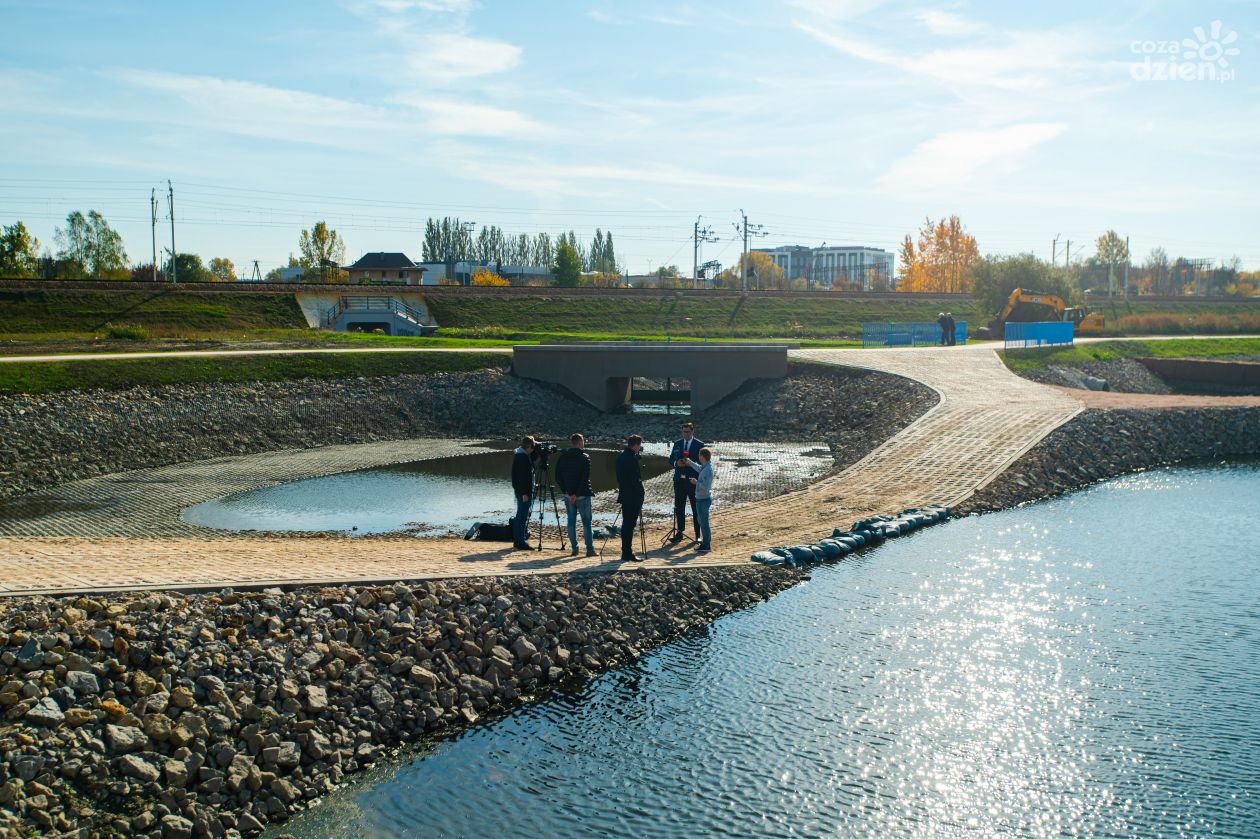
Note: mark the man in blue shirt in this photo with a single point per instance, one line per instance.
(685, 451)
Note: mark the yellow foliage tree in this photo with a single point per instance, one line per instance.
(942, 261)
(484, 276)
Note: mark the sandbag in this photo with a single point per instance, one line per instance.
(767, 558)
(802, 553)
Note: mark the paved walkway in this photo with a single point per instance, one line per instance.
(987, 417)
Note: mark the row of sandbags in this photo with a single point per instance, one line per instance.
(864, 533)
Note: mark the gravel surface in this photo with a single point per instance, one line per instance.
(168, 716)
(1124, 375)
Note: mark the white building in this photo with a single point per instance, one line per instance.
(820, 266)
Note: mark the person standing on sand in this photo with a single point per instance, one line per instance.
(703, 484)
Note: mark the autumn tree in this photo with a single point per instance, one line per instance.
(486, 277)
(1111, 250)
(758, 269)
(19, 252)
(91, 248)
(222, 270)
(567, 268)
(322, 252)
(943, 259)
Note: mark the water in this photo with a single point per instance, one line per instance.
(1086, 666)
(446, 493)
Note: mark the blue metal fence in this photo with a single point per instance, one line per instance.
(909, 334)
(1052, 334)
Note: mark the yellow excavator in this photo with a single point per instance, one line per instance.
(1025, 306)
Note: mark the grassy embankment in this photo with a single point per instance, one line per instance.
(118, 374)
(1022, 361)
(58, 320)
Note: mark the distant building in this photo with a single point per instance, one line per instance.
(291, 275)
(435, 272)
(386, 267)
(821, 265)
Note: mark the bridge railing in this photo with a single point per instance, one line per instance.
(371, 303)
(912, 334)
(1049, 334)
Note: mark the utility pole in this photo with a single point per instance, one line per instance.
(1127, 260)
(170, 202)
(1054, 249)
(257, 274)
(698, 236)
(153, 227)
(746, 230)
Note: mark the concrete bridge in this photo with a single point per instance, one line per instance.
(601, 374)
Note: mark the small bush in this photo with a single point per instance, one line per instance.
(127, 333)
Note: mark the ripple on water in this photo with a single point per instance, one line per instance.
(1086, 666)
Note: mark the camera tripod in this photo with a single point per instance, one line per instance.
(608, 534)
(543, 487)
(681, 534)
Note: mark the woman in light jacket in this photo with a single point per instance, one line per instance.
(703, 482)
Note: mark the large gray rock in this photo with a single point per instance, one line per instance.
(124, 738)
(134, 766)
(46, 712)
(83, 684)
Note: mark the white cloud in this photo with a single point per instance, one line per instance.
(836, 9)
(584, 179)
(449, 117)
(400, 6)
(258, 110)
(1023, 62)
(946, 23)
(450, 56)
(957, 158)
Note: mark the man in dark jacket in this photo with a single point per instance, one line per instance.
(682, 454)
(630, 494)
(951, 329)
(523, 489)
(943, 323)
(573, 476)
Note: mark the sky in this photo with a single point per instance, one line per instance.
(840, 121)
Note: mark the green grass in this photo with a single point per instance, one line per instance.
(1021, 361)
(165, 313)
(116, 374)
(677, 316)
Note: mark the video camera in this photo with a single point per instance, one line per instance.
(543, 450)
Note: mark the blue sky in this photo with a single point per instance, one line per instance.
(845, 121)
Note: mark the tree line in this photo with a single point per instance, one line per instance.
(943, 257)
(450, 239)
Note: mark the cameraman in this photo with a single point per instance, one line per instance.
(573, 476)
(629, 495)
(523, 489)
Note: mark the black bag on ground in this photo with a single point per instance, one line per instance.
(487, 532)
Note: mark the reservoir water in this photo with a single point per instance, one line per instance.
(1086, 666)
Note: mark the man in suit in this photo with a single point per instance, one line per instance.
(684, 452)
(630, 495)
(523, 490)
